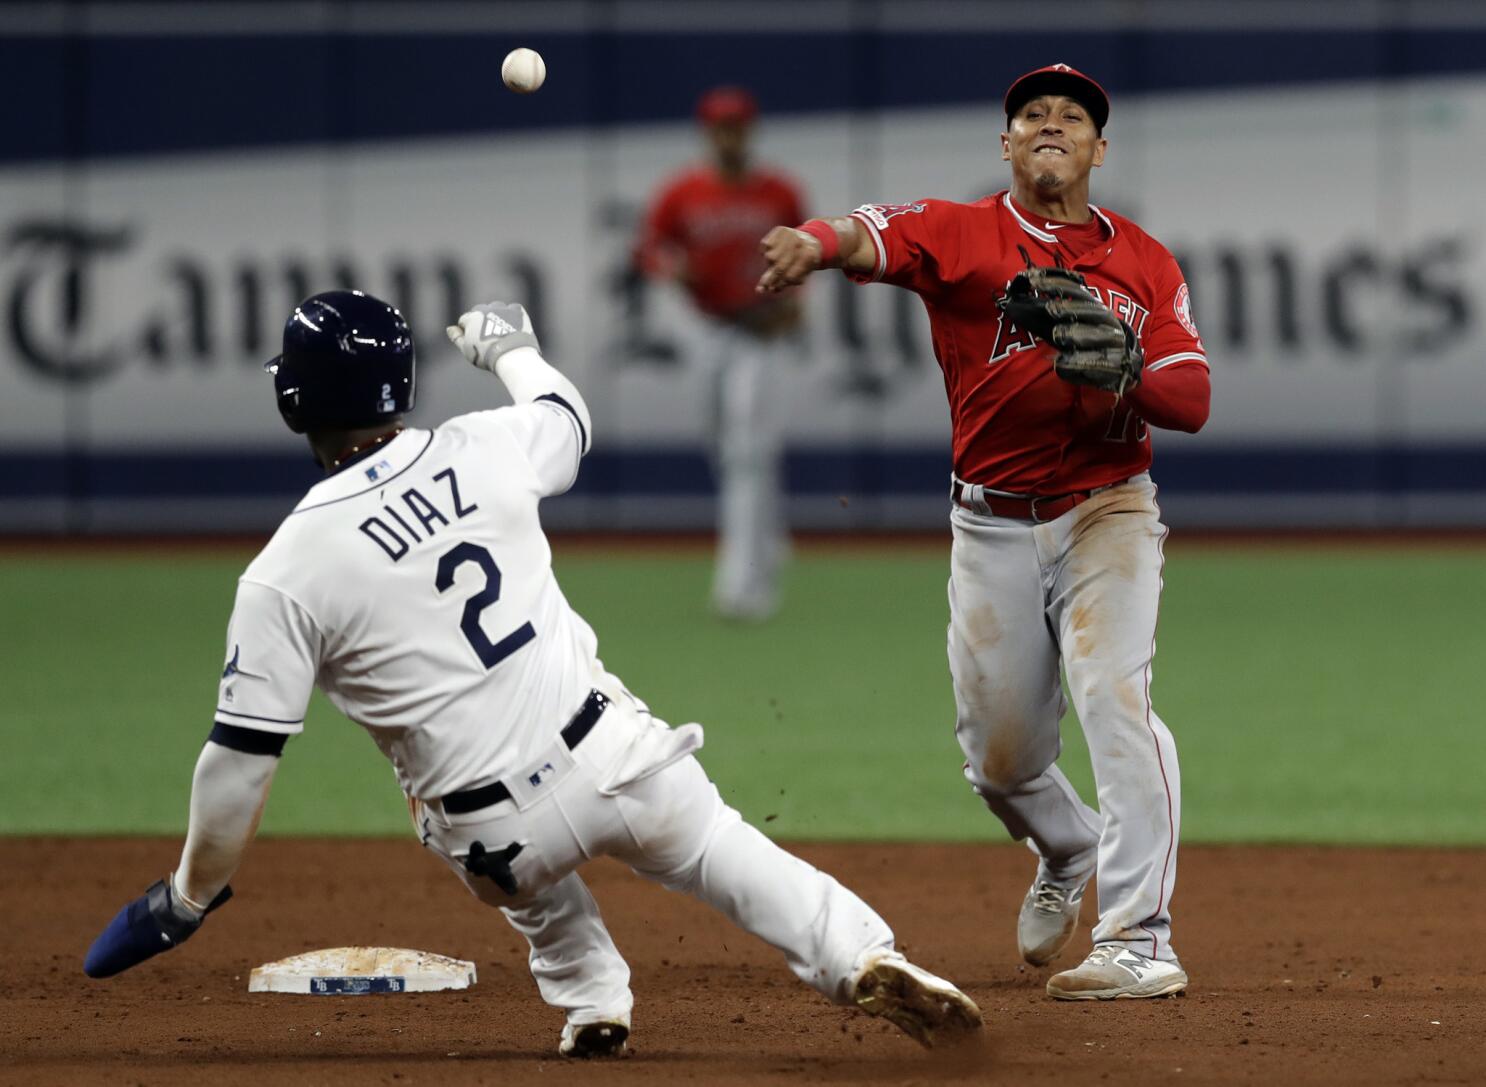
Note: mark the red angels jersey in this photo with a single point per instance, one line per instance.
(712, 227)
(1017, 426)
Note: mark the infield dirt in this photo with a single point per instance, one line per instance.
(1308, 966)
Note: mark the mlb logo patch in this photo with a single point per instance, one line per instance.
(379, 470)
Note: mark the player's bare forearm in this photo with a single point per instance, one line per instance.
(228, 794)
(792, 253)
(227, 797)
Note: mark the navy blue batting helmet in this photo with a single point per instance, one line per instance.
(347, 362)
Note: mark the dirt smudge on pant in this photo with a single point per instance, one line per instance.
(981, 628)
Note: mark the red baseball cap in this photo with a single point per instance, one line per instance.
(723, 104)
(1059, 79)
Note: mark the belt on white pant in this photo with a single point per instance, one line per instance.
(572, 735)
(1039, 508)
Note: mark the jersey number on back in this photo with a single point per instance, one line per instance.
(490, 653)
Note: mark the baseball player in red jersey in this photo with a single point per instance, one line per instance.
(1057, 537)
(702, 231)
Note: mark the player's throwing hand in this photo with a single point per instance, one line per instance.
(792, 255)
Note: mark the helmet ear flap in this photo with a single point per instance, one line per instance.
(286, 395)
(289, 410)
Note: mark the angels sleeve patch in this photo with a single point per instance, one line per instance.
(1182, 304)
(879, 214)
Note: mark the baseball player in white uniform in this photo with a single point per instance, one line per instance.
(414, 586)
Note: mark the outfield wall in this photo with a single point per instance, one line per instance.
(180, 175)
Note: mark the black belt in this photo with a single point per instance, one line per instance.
(572, 735)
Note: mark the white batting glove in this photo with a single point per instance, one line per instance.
(488, 331)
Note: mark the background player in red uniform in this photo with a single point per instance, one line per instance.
(702, 231)
(1057, 536)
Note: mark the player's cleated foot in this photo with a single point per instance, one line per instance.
(1112, 972)
(1048, 920)
(605, 1038)
(928, 1009)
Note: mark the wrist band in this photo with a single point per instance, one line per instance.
(825, 233)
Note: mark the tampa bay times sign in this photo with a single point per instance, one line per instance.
(208, 314)
(141, 297)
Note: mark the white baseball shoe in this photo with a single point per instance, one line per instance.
(1113, 972)
(605, 1038)
(1048, 920)
(928, 1009)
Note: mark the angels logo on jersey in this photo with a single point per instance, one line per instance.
(1010, 338)
(881, 213)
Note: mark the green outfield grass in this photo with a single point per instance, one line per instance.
(1317, 694)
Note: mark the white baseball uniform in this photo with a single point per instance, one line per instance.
(415, 587)
(748, 449)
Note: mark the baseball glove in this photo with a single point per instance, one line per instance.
(1095, 347)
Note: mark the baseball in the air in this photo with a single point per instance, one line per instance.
(523, 70)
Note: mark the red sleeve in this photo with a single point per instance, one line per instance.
(1170, 336)
(659, 249)
(908, 239)
(1174, 397)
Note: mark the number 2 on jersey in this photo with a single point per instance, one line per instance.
(490, 653)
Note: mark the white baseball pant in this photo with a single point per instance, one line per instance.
(1084, 590)
(752, 538)
(632, 790)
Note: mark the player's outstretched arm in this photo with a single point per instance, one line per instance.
(792, 253)
(228, 793)
(498, 337)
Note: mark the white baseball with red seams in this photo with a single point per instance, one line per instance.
(523, 71)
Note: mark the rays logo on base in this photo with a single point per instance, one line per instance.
(355, 986)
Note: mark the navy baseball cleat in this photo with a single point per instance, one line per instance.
(152, 923)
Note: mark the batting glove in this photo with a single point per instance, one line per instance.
(154, 922)
(487, 332)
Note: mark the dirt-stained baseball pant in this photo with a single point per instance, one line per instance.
(752, 539)
(1085, 589)
(671, 826)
